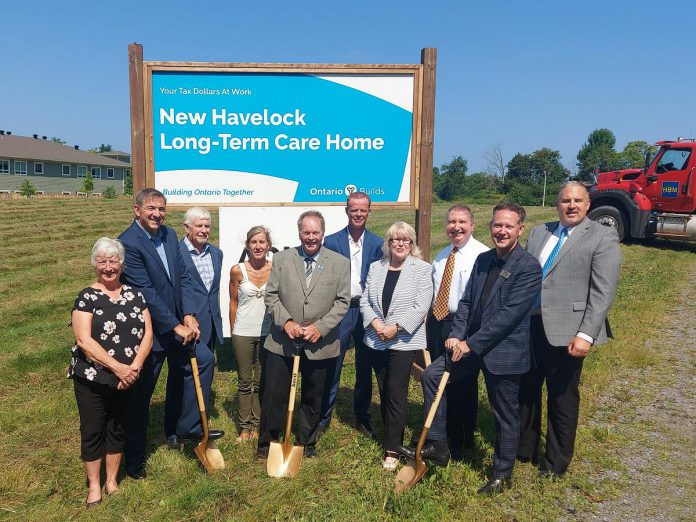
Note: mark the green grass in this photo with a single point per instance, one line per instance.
(44, 261)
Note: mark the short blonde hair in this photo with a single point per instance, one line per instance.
(107, 247)
(401, 228)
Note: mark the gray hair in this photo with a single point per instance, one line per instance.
(258, 229)
(147, 194)
(403, 229)
(195, 213)
(311, 213)
(107, 247)
(572, 183)
(461, 208)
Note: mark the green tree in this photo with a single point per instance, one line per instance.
(109, 192)
(633, 155)
(58, 140)
(128, 186)
(531, 168)
(27, 189)
(451, 179)
(598, 153)
(103, 148)
(88, 183)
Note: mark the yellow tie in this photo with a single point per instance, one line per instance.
(441, 308)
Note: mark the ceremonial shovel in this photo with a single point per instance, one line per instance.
(206, 451)
(284, 459)
(414, 470)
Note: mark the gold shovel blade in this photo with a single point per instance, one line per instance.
(407, 476)
(281, 465)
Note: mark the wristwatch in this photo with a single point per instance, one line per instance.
(399, 328)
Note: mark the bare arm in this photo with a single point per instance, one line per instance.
(235, 279)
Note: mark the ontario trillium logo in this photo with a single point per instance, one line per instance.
(350, 189)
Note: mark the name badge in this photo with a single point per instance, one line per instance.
(505, 274)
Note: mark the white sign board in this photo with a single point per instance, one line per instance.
(235, 222)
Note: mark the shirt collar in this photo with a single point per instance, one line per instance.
(305, 255)
(158, 235)
(192, 249)
(359, 242)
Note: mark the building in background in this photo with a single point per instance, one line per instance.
(54, 168)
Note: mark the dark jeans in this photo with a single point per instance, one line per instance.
(274, 406)
(103, 413)
(393, 369)
(561, 372)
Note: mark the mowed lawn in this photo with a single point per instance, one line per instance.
(44, 261)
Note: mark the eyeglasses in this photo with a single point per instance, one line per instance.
(400, 241)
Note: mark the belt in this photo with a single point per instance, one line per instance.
(448, 318)
(355, 302)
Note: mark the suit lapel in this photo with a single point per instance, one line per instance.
(146, 242)
(343, 243)
(510, 267)
(217, 267)
(384, 267)
(538, 246)
(300, 267)
(189, 263)
(322, 264)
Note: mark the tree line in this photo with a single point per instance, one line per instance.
(524, 177)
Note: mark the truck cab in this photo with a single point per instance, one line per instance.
(658, 200)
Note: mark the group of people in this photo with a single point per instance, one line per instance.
(494, 311)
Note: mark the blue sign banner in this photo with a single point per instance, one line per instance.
(670, 189)
(225, 138)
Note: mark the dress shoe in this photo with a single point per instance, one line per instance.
(310, 452)
(212, 435)
(495, 486)
(173, 442)
(437, 456)
(138, 475)
(261, 453)
(366, 430)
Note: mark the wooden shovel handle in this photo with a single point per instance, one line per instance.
(199, 396)
(291, 398)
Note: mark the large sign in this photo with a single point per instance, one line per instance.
(286, 135)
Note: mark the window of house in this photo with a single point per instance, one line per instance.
(110, 173)
(81, 171)
(20, 168)
(128, 172)
(38, 168)
(67, 171)
(96, 172)
(4, 166)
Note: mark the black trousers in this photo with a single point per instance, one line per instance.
(561, 372)
(277, 371)
(393, 370)
(103, 413)
(462, 396)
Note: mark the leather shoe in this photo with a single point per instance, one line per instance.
(212, 435)
(173, 442)
(261, 453)
(366, 430)
(138, 475)
(495, 486)
(429, 452)
(310, 452)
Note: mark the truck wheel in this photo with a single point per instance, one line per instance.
(611, 217)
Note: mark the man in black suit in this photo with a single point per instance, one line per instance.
(490, 332)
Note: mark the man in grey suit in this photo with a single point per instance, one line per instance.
(581, 260)
(307, 295)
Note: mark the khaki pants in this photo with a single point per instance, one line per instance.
(246, 351)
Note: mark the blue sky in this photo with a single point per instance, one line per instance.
(522, 75)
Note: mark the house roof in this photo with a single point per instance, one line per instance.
(26, 148)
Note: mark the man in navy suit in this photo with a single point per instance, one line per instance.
(362, 248)
(154, 266)
(490, 332)
(204, 262)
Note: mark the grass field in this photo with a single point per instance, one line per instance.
(44, 262)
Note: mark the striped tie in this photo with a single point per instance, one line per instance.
(441, 307)
(550, 260)
(308, 271)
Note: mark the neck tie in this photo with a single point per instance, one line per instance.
(554, 252)
(308, 270)
(441, 307)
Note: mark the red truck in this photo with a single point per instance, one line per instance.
(658, 200)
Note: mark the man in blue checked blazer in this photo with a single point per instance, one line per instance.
(204, 262)
(154, 266)
(490, 332)
(362, 248)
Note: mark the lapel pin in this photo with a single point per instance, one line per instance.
(505, 274)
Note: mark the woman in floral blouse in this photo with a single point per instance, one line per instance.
(113, 334)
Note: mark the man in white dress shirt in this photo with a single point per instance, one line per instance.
(449, 285)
